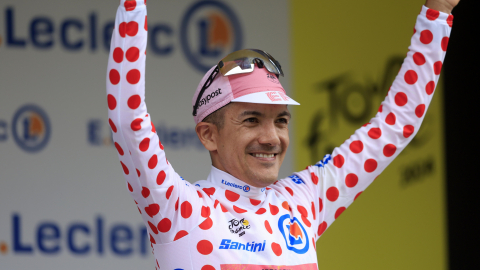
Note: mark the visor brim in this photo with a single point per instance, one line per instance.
(267, 97)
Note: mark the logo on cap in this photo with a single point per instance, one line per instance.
(272, 78)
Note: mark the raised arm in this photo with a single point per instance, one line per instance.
(168, 204)
(337, 180)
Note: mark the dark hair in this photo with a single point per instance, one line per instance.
(217, 117)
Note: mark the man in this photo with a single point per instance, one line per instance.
(242, 217)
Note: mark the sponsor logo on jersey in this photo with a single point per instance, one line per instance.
(245, 188)
(294, 234)
(238, 226)
(296, 179)
(249, 246)
(324, 162)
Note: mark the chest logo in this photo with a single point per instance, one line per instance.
(294, 234)
(238, 226)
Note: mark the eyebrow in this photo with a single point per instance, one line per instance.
(259, 114)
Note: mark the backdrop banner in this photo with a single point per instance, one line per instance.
(64, 203)
(345, 57)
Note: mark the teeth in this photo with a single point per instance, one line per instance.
(264, 155)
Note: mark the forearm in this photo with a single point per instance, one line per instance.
(445, 6)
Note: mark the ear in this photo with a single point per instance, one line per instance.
(208, 134)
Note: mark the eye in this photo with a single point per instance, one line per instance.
(282, 120)
(251, 120)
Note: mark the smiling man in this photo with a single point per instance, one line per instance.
(241, 216)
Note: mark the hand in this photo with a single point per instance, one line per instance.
(445, 6)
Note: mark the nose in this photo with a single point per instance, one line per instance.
(269, 135)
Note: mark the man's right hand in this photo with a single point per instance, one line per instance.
(445, 6)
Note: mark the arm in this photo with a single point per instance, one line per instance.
(167, 204)
(334, 183)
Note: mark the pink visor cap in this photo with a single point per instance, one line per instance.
(259, 86)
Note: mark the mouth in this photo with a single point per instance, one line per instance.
(264, 156)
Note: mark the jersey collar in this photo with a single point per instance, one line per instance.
(227, 181)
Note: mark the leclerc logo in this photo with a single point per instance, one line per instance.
(295, 235)
(209, 30)
(246, 188)
(31, 128)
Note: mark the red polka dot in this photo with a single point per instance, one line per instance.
(209, 191)
(112, 102)
(314, 178)
(207, 224)
(338, 161)
(152, 240)
(132, 54)
(285, 206)
(223, 208)
(375, 133)
(152, 163)
(122, 28)
(411, 77)
(204, 247)
(437, 67)
(136, 124)
(445, 43)
(380, 109)
(145, 192)
(320, 205)
(419, 58)
(179, 235)
(289, 190)
(255, 202)
(408, 130)
(332, 194)
(432, 14)
(133, 102)
(351, 180)
(138, 172)
(133, 76)
(132, 29)
(144, 144)
(358, 194)
(130, 187)
(370, 165)
(313, 242)
(152, 209)
(119, 149)
(313, 211)
(430, 87)
(450, 20)
(112, 125)
(169, 192)
(267, 226)
(208, 267)
(401, 99)
(426, 37)
(186, 209)
(277, 249)
(261, 211)
(153, 130)
(389, 150)
(160, 144)
(239, 210)
(153, 228)
(205, 211)
(321, 228)
(145, 26)
(125, 169)
(420, 110)
(199, 194)
(356, 147)
(306, 221)
(130, 5)
(231, 196)
(390, 119)
(339, 212)
(118, 55)
(273, 209)
(161, 177)
(302, 210)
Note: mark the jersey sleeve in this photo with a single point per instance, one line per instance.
(327, 188)
(170, 207)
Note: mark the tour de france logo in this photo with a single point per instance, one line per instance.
(31, 128)
(294, 234)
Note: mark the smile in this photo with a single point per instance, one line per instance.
(260, 155)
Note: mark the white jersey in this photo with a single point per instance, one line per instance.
(223, 223)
